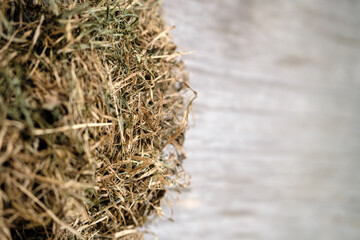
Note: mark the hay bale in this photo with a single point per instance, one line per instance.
(92, 115)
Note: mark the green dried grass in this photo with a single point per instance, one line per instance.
(92, 116)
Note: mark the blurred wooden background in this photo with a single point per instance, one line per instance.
(274, 152)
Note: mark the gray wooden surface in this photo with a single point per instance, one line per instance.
(274, 152)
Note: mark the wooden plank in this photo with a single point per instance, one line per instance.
(274, 152)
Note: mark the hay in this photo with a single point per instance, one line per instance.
(92, 116)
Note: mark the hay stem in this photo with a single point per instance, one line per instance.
(38, 132)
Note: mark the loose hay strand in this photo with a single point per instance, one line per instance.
(92, 118)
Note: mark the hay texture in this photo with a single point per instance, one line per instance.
(92, 116)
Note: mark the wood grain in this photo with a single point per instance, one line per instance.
(274, 150)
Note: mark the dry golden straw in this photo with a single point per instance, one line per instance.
(92, 117)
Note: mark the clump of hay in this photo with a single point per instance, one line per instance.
(92, 116)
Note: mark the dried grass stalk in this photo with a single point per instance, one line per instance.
(92, 116)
